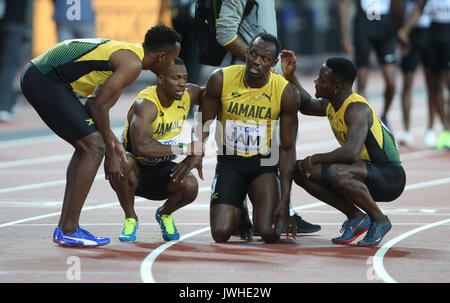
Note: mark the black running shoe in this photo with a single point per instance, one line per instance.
(303, 227)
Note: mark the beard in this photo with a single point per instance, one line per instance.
(254, 77)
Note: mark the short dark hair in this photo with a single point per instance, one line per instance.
(160, 37)
(343, 69)
(178, 61)
(269, 38)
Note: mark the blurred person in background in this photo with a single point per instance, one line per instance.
(183, 12)
(13, 36)
(374, 27)
(414, 52)
(183, 22)
(439, 47)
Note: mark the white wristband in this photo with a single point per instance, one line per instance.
(183, 147)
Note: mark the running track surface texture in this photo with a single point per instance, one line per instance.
(33, 162)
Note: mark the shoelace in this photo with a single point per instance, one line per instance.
(344, 225)
(83, 231)
(168, 223)
(129, 225)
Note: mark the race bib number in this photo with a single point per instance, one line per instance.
(245, 138)
(439, 10)
(376, 7)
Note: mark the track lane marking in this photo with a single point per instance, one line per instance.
(208, 161)
(146, 266)
(378, 258)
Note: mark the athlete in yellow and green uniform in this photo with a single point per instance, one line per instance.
(248, 101)
(98, 69)
(152, 139)
(365, 169)
(83, 63)
(379, 146)
(168, 122)
(248, 115)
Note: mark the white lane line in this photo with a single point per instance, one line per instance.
(45, 184)
(40, 185)
(428, 183)
(381, 252)
(418, 112)
(50, 138)
(33, 186)
(301, 147)
(206, 189)
(106, 205)
(42, 160)
(206, 161)
(210, 159)
(29, 141)
(422, 154)
(198, 224)
(305, 146)
(56, 214)
(146, 266)
(140, 224)
(42, 272)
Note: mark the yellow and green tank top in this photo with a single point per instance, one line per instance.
(248, 116)
(82, 63)
(379, 147)
(166, 127)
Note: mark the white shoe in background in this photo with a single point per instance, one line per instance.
(5, 116)
(406, 139)
(430, 138)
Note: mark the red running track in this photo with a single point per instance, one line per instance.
(32, 173)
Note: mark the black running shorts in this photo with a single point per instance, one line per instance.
(153, 180)
(379, 35)
(418, 50)
(439, 47)
(56, 104)
(233, 177)
(385, 182)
